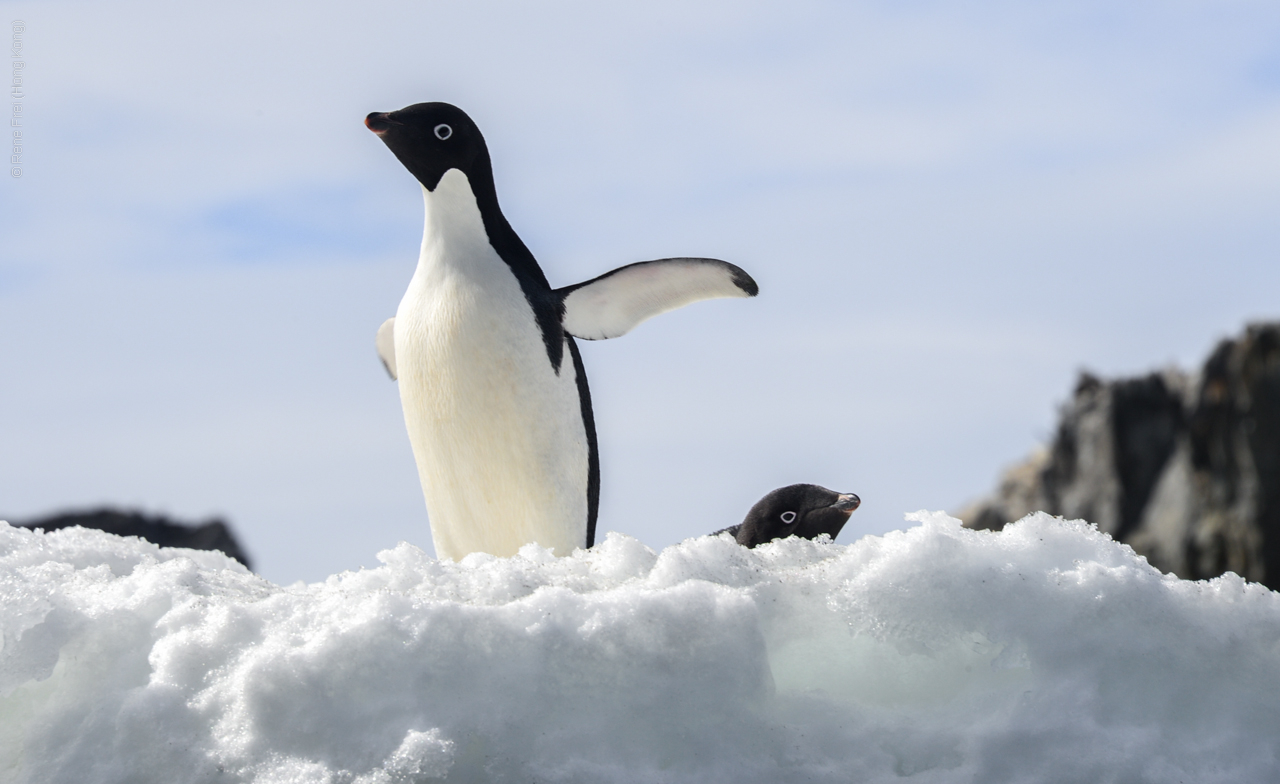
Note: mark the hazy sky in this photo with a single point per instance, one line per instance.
(950, 207)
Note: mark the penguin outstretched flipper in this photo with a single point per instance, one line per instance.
(386, 343)
(616, 302)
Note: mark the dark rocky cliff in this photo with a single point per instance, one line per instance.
(1184, 468)
(210, 535)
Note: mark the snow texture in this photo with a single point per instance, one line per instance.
(1043, 653)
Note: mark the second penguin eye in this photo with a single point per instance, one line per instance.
(788, 517)
(443, 131)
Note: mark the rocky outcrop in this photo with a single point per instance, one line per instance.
(1184, 468)
(211, 535)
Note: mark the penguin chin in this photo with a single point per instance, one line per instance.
(426, 171)
(835, 530)
(431, 180)
(829, 521)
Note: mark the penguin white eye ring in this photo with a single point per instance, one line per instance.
(443, 131)
(788, 517)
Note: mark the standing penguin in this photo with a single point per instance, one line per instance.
(494, 393)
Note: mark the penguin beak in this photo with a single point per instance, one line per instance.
(847, 502)
(379, 122)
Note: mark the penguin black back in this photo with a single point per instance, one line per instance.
(795, 510)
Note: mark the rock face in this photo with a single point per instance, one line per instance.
(211, 535)
(1184, 468)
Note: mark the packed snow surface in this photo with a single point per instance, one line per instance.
(1043, 653)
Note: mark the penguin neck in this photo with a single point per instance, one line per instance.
(461, 220)
(458, 208)
(453, 228)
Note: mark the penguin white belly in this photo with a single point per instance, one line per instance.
(497, 434)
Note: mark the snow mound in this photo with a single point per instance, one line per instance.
(1043, 653)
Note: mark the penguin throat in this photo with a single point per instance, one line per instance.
(458, 224)
(453, 221)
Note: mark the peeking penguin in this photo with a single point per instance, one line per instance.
(794, 510)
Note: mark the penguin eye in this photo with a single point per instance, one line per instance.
(788, 517)
(443, 131)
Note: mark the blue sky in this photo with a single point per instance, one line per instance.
(951, 208)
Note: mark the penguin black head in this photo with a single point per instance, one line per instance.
(432, 138)
(796, 510)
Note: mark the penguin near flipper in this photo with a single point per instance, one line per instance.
(807, 511)
(494, 393)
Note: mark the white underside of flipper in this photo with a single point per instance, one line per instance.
(498, 436)
(618, 301)
(386, 344)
